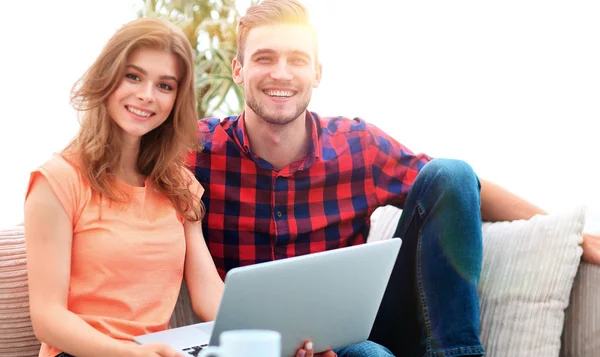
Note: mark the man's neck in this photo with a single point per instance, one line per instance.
(280, 145)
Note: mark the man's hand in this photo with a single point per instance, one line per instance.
(591, 248)
(307, 351)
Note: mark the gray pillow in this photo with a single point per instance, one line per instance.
(526, 280)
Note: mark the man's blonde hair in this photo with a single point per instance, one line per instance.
(269, 12)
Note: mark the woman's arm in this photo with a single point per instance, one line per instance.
(203, 281)
(49, 235)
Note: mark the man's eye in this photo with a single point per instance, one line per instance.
(299, 61)
(132, 76)
(263, 59)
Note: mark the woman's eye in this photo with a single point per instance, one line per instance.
(132, 76)
(165, 86)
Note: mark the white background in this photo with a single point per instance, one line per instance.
(512, 87)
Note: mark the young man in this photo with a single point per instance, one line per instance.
(281, 181)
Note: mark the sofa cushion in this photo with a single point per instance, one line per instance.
(527, 275)
(16, 334)
(581, 336)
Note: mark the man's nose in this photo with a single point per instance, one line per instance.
(281, 71)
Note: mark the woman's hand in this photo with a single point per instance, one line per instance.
(154, 350)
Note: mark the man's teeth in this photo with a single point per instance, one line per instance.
(139, 112)
(279, 93)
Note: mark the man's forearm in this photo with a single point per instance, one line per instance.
(499, 204)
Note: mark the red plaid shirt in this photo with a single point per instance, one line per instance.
(257, 214)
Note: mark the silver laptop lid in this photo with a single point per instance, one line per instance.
(330, 297)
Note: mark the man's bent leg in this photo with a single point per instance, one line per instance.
(364, 349)
(430, 307)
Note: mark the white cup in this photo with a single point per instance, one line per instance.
(245, 343)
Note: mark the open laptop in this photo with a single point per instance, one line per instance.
(331, 298)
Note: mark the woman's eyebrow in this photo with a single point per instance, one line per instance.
(143, 71)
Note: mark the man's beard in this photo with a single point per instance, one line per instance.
(276, 120)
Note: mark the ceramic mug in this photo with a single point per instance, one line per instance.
(245, 343)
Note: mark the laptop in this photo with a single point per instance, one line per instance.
(330, 297)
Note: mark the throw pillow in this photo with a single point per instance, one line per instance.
(526, 280)
(16, 334)
(527, 276)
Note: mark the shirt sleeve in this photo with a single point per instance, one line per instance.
(66, 183)
(394, 168)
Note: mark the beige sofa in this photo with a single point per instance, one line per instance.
(536, 297)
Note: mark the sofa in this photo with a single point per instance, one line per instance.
(537, 297)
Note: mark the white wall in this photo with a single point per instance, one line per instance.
(512, 87)
(46, 47)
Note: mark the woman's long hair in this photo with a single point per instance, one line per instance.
(98, 144)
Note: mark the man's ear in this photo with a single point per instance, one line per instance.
(237, 71)
(318, 74)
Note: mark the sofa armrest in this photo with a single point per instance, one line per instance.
(582, 320)
(16, 333)
(184, 313)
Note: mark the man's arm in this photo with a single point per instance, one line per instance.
(499, 204)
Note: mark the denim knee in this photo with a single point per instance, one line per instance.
(449, 174)
(449, 169)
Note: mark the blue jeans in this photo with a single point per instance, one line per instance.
(364, 349)
(431, 307)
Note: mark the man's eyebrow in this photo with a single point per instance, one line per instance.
(143, 71)
(266, 51)
(300, 54)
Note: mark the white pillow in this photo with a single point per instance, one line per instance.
(527, 275)
(526, 280)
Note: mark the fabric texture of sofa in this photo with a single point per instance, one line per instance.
(537, 298)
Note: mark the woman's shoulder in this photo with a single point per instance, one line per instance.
(64, 168)
(66, 164)
(63, 175)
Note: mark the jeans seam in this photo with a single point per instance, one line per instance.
(402, 234)
(458, 351)
(422, 298)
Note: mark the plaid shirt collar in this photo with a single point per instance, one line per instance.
(239, 128)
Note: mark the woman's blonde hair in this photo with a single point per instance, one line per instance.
(97, 146)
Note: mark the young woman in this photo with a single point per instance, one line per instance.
(113, 221)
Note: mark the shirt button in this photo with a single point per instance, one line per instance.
(279, 214)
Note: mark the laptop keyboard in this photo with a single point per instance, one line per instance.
(194, 350)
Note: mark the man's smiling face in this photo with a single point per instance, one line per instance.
(279, 72)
